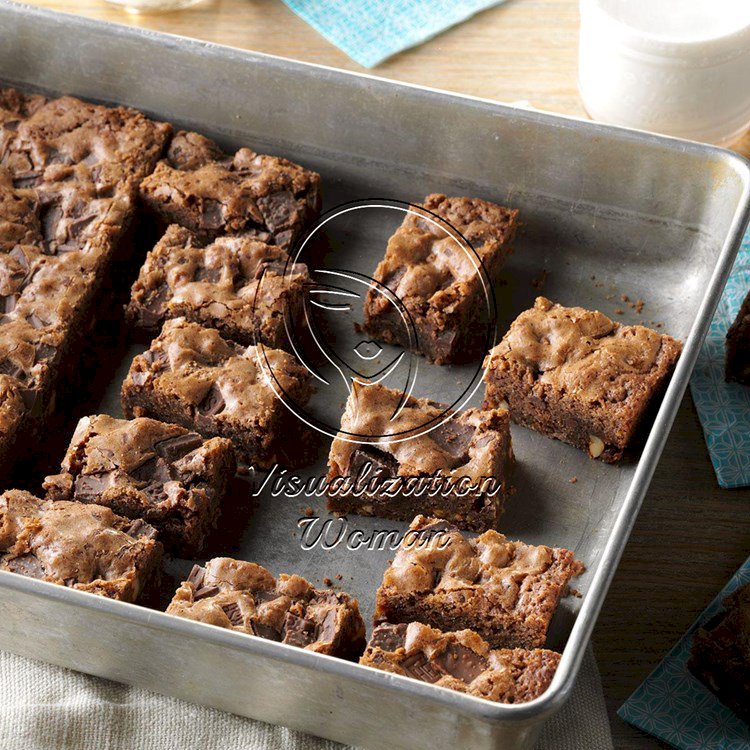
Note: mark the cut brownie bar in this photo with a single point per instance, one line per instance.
(577, 376)
(69, 172)
(469, 457)
(738, 346)
(720, 657)
(212, 193)
(245, 597)
(438, 281)
(162, 473)
(219, 285)
(86, 547)
(192, 376)
(461, 661)
(505, 591)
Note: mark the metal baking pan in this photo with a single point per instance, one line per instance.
(606, 212)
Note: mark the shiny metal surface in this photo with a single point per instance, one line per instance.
(606, 212)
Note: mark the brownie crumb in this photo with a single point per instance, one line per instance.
(308, 511)
(327, 581)
(619, 311)
(573, 480)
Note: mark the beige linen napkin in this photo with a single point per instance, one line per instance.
(43, 707)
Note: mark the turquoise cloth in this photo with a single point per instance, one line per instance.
(724, 408)
(369, 31)
(675, 707)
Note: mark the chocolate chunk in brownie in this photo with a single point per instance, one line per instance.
(462, 661)
(192, 376)
(469, 456)
(577, 376)
(248, 290)
(245, 597)
(86, 547)
(439, 280)
(720, 656)
(738, 346)
(172, 478)
(505, 591)
(211, 193)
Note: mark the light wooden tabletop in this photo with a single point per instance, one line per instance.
(690, 535)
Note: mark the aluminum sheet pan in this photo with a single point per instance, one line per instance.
(606, 212)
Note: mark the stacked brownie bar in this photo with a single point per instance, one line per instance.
(468, 457)
(245, 597)
(161, 473)
(69, 173)
(441, 265)
(505, 591)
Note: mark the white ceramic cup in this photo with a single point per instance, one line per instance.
(678, 67)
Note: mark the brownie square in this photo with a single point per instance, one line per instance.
(248, 290)
(163, 473)
(211, 193)
(246, 598)
(577, 376)
(437, 280)
(738, 346)
(461, 661)
(505, 591)
(469, 455)
(720, 655)
(192, 376)
(85, 547)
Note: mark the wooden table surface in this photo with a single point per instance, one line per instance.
(690, 535)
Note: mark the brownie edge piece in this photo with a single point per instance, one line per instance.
(720, 656)
(85, 547)
(576, 375)
(461, 661)
(505, 591)
(245, 597)
(191, 376)
(162, 473)
(463, 464)
(738, 346)
(436, 280)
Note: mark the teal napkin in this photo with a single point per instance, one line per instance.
(369, 31)
(676, 707)
(724, 408)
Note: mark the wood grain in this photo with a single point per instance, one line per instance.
(690, 536)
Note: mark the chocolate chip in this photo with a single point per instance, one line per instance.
(196, 576)
(262, 597)
(278, 209)
(8, 303)
(298, 631)
(210, 275)
(232, 611)
(49, 218)
(76, 228)
(26, 565)
(154, 471)
(139, 529)
(213, 402)
(88, 487)
(35, 321)
(417, 666)
(158, 360)
(280, 267)
(264, 631)
(389, 637)
(212, 215)
(174, 448)
(392, 281)
(381, 464)
(27, 180)
(205, 591)
(8, 367)
(461, 662)
(326, 630)
(453, 437)
(44, 351)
